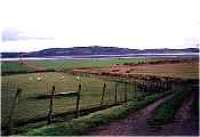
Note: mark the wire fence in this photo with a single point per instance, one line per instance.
(55, 104)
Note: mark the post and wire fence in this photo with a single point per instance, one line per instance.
(78, 101)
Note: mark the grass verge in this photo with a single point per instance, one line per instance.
(166, 111)
(80, 125)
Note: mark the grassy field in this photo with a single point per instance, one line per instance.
(36, 84)
(14, 66)
(184, 70)
(70, 64)
(29, 107)
(66, 64)
(179, 70)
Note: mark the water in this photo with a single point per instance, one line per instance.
(145, 55)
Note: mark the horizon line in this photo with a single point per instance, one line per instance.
(98, 46)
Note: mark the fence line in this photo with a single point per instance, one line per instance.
(120, 93)
(12, 110)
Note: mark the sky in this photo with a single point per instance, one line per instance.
(31, 25)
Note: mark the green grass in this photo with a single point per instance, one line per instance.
(70, 64)
(29, 108)
(80, 125)
(181, 70)
(14, 67)
(65, 64)
(165, 113)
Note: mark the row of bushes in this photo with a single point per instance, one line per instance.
(80, 125)
(156, 62)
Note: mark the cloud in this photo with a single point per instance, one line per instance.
(10, 34)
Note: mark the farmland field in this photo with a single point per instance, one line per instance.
(58, 73)
(29, 107)
(13, 66)
(176, 70)
(67, 64)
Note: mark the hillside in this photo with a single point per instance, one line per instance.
(93, 50)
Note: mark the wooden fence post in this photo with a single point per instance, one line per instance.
(78, 101)
(143, 85)
(12, 111)
(103, 93)
(116, 92)
(167, 82)
(160, 85)
(156, 87)
(125, 93)
(51, 105)
(135, 86)
(135, 89)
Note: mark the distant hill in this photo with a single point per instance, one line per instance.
(93, 50)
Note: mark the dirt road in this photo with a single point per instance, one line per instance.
(184, 124)
(136, 123)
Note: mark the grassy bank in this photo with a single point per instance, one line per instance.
(165, 113)
(80, 125)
